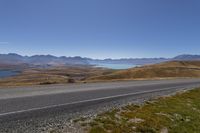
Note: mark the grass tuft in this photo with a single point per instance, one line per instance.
(179, 113)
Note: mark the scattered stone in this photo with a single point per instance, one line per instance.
(136, 120)
(164, 130)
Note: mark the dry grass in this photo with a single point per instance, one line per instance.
(176, 114)
(163, 70)
(62, 75)
(58, 75)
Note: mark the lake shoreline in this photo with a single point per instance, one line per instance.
(5, 73)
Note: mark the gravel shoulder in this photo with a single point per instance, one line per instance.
(64, 122)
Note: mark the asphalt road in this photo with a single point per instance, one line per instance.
(18, 103)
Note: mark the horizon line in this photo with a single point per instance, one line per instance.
(25, 55)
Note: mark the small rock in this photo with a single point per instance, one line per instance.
(164, 130)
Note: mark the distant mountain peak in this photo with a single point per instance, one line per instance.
(13, 58)
(187, 57)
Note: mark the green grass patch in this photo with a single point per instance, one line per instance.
(175, 114)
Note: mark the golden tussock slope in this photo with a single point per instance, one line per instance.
(169, 69)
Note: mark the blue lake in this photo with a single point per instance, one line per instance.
(8, 73)
(116, 66)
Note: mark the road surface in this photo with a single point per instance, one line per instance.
(18, 103)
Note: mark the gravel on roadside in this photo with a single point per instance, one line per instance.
(64, 122)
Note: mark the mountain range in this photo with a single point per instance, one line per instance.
(51, 60)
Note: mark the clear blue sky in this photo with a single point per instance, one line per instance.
(100, 28)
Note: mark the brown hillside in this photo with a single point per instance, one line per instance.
(163, 70)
